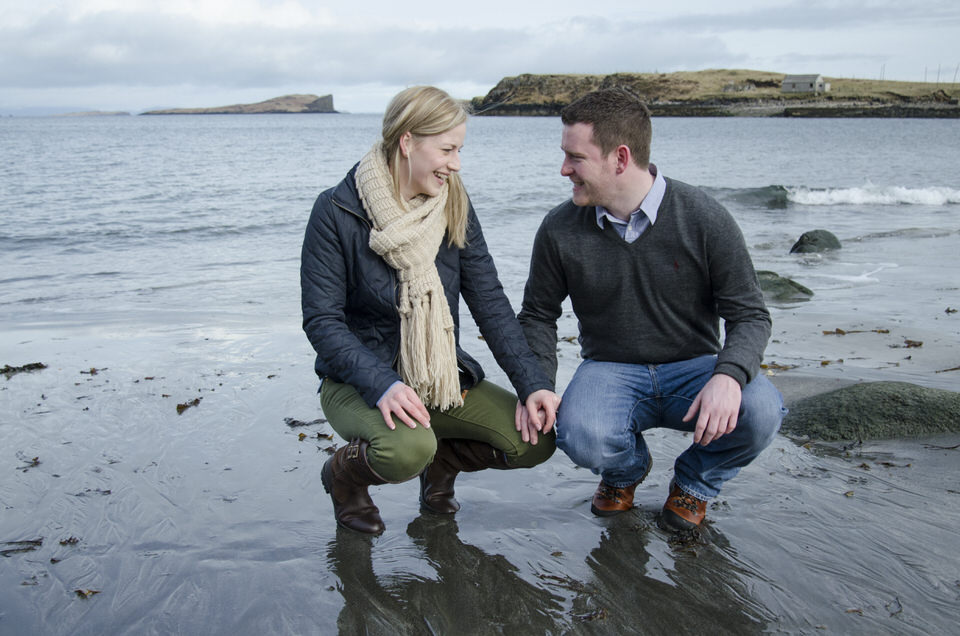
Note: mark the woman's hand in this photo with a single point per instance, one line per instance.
(404, 403)
(538, 415)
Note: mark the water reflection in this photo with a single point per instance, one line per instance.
(468, 591)
(643, 585)
(636, 580)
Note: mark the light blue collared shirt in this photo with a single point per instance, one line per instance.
(641, 218)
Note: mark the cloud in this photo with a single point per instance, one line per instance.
(117, 47)
(817, 15)
(221, 50)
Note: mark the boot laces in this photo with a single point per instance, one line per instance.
(683, 500)
(611, 493)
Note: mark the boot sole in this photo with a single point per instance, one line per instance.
(427, 509)
(672, 522)
(608, 513)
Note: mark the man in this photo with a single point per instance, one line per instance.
(650, 265)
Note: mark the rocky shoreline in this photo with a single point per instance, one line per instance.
(759, 108)
(722, 94)
(763, 108)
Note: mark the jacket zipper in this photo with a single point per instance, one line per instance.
(393, 277)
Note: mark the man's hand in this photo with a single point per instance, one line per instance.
(539, 414)
(719, 405)
(403, 402)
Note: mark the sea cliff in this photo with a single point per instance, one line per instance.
(714, 93)
(284, 104)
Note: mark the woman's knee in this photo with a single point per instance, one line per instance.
(400, 455)
(530, 455)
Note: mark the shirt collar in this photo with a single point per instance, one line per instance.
(650, 204)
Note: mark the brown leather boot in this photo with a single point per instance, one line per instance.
(609, 500)
(346, 476)
(683, 511)
(453, 457)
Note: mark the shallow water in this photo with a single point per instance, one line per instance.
(214, 521)
(153, 261)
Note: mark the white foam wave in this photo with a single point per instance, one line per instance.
(869, 276)
(870, 194)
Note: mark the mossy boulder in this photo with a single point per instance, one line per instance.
(815, 241)
(779, 288)
(875, 410)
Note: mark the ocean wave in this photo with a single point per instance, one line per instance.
(907, 232)
(870, 194)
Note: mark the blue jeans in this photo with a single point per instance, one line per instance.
(608, 405)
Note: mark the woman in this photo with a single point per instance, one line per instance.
(387, 254)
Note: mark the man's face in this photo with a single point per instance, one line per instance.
(584, 164)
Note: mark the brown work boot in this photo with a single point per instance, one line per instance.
(609, 500)
(683, 511)
(346, 476)
(453, 457)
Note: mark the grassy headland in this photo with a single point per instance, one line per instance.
(725, 92)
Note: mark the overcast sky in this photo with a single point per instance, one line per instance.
(136, 55)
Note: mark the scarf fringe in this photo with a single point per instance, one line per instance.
(437, 385)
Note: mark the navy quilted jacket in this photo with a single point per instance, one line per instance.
(349, 297)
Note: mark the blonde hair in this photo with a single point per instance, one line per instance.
(424, 111)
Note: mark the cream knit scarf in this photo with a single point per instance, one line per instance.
(408, 236)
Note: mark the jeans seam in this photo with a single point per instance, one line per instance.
(632, 418)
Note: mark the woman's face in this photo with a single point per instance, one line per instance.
(427, 162)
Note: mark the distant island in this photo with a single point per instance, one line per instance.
(714, 93)
(284, 104)
(96, 113)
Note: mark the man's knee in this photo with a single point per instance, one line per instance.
(582, 442)
(762, 411)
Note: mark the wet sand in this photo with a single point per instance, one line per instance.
(122, 516)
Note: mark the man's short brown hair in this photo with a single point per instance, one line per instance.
(618, 116)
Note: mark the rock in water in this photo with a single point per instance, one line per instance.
(815, 241)
(875, 410)
(777, 287)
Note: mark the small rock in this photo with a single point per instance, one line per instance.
(777, 287)
(815, 241)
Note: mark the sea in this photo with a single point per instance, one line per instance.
(135, 221)
(161, 474)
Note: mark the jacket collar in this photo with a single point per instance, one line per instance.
(345, 194)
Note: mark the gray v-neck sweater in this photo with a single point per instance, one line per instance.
(656, 300)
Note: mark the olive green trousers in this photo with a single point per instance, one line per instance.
(487, 415)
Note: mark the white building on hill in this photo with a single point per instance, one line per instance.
(804, 84)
